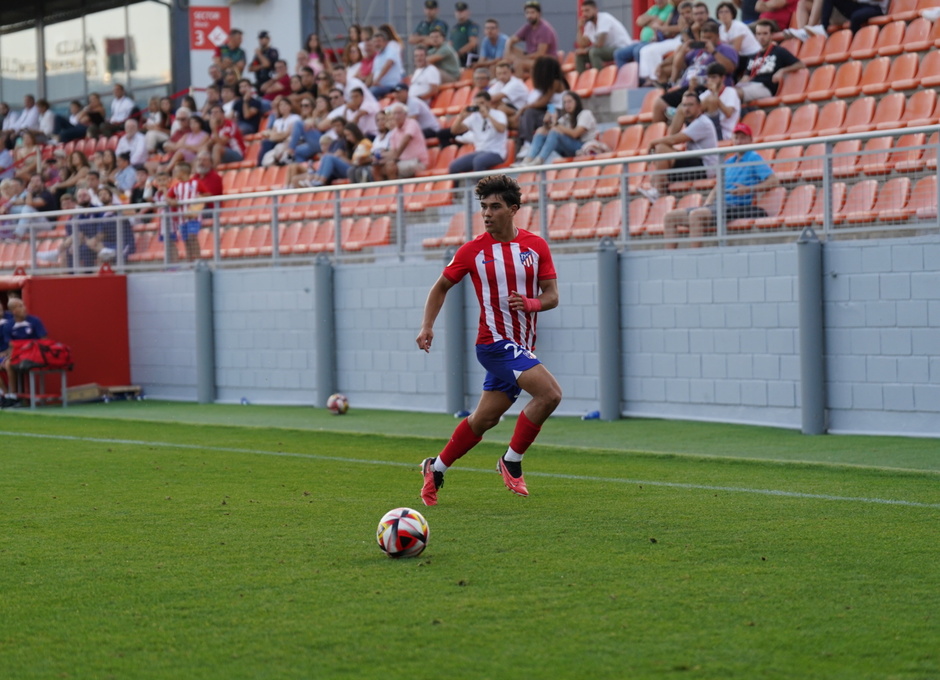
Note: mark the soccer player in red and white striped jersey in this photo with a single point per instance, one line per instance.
(514, 279)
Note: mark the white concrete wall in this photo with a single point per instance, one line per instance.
(708, 335)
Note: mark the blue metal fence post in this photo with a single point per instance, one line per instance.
(812, 341)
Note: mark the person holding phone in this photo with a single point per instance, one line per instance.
(489, 128)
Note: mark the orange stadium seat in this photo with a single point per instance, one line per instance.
(559, 228)
(260, 238)
(298, 242)
(794, 82)
(354, 231)
(847, 76)
(859, 114)
(888, 113)
(889, 36)
(862, 46)
(906, 147)
(775, 127)
(915, 32)
(645, 113)
(859, 200)
(820, 81)
(837, 45)
(874, 72)
(584, 85)
(803, 123)
(609, 224)
(930, 41)
(626, 78)
(921, 109)
(787, 162)
(460, 100)
(755, 119)
(610, 138)
(586, 185)
(608, 181)
(898, 11)
(874, 158)
(791, 45)
(630, 140)
(560, 189)
(921, 205)
(324, 237)
(927, 75)
(772, 203)
(815, 214)
(892, 196)
(442, 101)
(832, 114)
(926, 161)
(288, 237)
(805, 214)
(456, 229)
(846, 160)
(797, 205)
(903, 69)
(653, 224)
(652, 131)
(811, 51)
(586, 220)
(234, 241)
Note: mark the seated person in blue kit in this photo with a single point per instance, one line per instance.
(745, 175)
(20, 326)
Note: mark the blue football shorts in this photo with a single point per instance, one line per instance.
(504, 362)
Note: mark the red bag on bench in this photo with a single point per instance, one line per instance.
(45, 353)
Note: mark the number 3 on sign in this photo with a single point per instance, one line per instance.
(199, 38)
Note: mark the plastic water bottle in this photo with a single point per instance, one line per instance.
(244, 401)
(591, 415)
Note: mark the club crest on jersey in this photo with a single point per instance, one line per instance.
(526, 258)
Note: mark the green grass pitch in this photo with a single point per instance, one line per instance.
(149, 540)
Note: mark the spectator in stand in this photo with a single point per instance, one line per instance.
(106, 165)
(133, 142)
(353, 37)
(745, 176)
(548, 83)
(40, 200)
(564, 134)
(195, 140)
(76, 170)
(537, 38)
(352, 58)
(27, 156)
(226, 144)
(359, 111)
(720, 102)
(275, 140)
(365, 65)
(778, 11)
(508, 92)
(4, 115)
(46, 127)
(489, 129)
(279, 83)
(426, 79)
(345, 83)
(213, 97)
(305, 139)
(689, 21)
(696, 60)
(216, 77)
(157, 123)
(465, 36)
(387, 68)
(22, 326)
(126, 176)
(749, 13)
(443, 56)
(316, 57)
(308, 82)
(27, 119)
(106, 240)
(493, 45)
(230, 53)
(699, 134)
(186, 219)
(65, 123)
(429, 23)
(262, 63)
(764, 72)
(655, 24)
(7, 161)
(419, 110)
(229, 100)
(247, 109)
(481, 81)
(816, 15)
(190, 103)
(600, 35)
(736, 33)
(407, 154)
(354, 152)
(122, 108)
(380, 146)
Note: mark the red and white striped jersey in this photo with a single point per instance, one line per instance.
(496, 269)
(182, 191)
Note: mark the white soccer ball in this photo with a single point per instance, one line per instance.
(337, 404)
(402, 532)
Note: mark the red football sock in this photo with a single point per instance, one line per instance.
(525, 433)
(460, 442)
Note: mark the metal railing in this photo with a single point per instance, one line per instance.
(418, 218)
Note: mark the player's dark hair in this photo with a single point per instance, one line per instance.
(730, 7)
(546, 71)
(769, 23)
(503, 186)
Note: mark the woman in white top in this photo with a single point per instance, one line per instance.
(274, 146)
(574, 127)
(736, 33)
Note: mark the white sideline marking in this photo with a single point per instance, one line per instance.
(548, 475)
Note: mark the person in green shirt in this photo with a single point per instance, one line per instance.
(443, 55)
(422, 33)
(465, 35)
(654, 25)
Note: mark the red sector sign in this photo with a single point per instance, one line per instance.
(208, 27)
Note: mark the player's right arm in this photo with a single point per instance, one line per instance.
(432, 307)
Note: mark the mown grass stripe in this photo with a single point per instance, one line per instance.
(547, 475)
